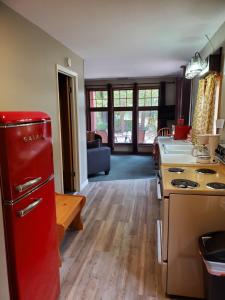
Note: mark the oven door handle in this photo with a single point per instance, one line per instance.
(26, 185)
(158, 187)
(23, 212)
(159, 240)
(159, 175)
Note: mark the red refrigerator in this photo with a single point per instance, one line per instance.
(27, 185)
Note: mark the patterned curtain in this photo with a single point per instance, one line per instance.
(197, 116)
(206, 103)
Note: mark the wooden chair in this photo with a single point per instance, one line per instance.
(165, 131)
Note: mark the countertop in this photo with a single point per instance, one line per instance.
(191, 174)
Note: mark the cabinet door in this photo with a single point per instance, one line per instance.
(190, 216)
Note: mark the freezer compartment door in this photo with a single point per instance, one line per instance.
(26, 158)
(32, 247)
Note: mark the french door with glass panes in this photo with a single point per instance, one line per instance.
(148, 101)
(123, 116)
(126, 119)
(98, 113)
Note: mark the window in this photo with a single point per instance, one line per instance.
(123, 126)
(148, 97)
(148, 101)
(123, 115)
(98, 105)
(99, 124)
(147, 126)
(123, 98)
(98, 99)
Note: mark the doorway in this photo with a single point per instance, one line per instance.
(66, 124)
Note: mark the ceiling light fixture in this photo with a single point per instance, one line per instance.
(195, 66)
(188, 74)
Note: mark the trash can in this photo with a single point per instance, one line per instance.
(212, 250)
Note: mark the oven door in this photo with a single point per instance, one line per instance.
(162, 236)
(162, 231)
(163, 264)
(162, 223)
(159, 222)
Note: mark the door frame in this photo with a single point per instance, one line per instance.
(75, 125)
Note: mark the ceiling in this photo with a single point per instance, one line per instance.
(127, 38)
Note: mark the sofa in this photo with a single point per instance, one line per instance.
(98, 156)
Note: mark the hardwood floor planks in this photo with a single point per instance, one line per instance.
(114, 257)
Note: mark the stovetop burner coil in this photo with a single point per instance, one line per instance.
(184, 183)
(206, 171)
(176, 170)
(216, 185)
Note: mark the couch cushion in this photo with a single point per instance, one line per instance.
(98, 160)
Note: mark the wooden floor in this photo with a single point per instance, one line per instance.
(115, 256)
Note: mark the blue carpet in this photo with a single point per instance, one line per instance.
(127, 167)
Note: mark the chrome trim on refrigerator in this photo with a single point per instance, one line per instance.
(2, 125)
(23, 212)
(26, 185)
(14, 201)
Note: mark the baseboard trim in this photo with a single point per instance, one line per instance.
(83, 184)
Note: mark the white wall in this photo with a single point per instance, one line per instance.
(28, 77)
(28, 82)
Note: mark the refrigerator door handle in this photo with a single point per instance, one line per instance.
(23, 212)
(26, 185)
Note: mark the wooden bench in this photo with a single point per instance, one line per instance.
(68, 213)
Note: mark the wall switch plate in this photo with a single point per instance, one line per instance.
(220, 123)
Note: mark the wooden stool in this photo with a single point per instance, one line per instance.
(68, 212)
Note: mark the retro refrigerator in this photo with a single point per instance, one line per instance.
(27, 187)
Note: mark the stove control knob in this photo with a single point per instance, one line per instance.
(221, 151)
(223, 154)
